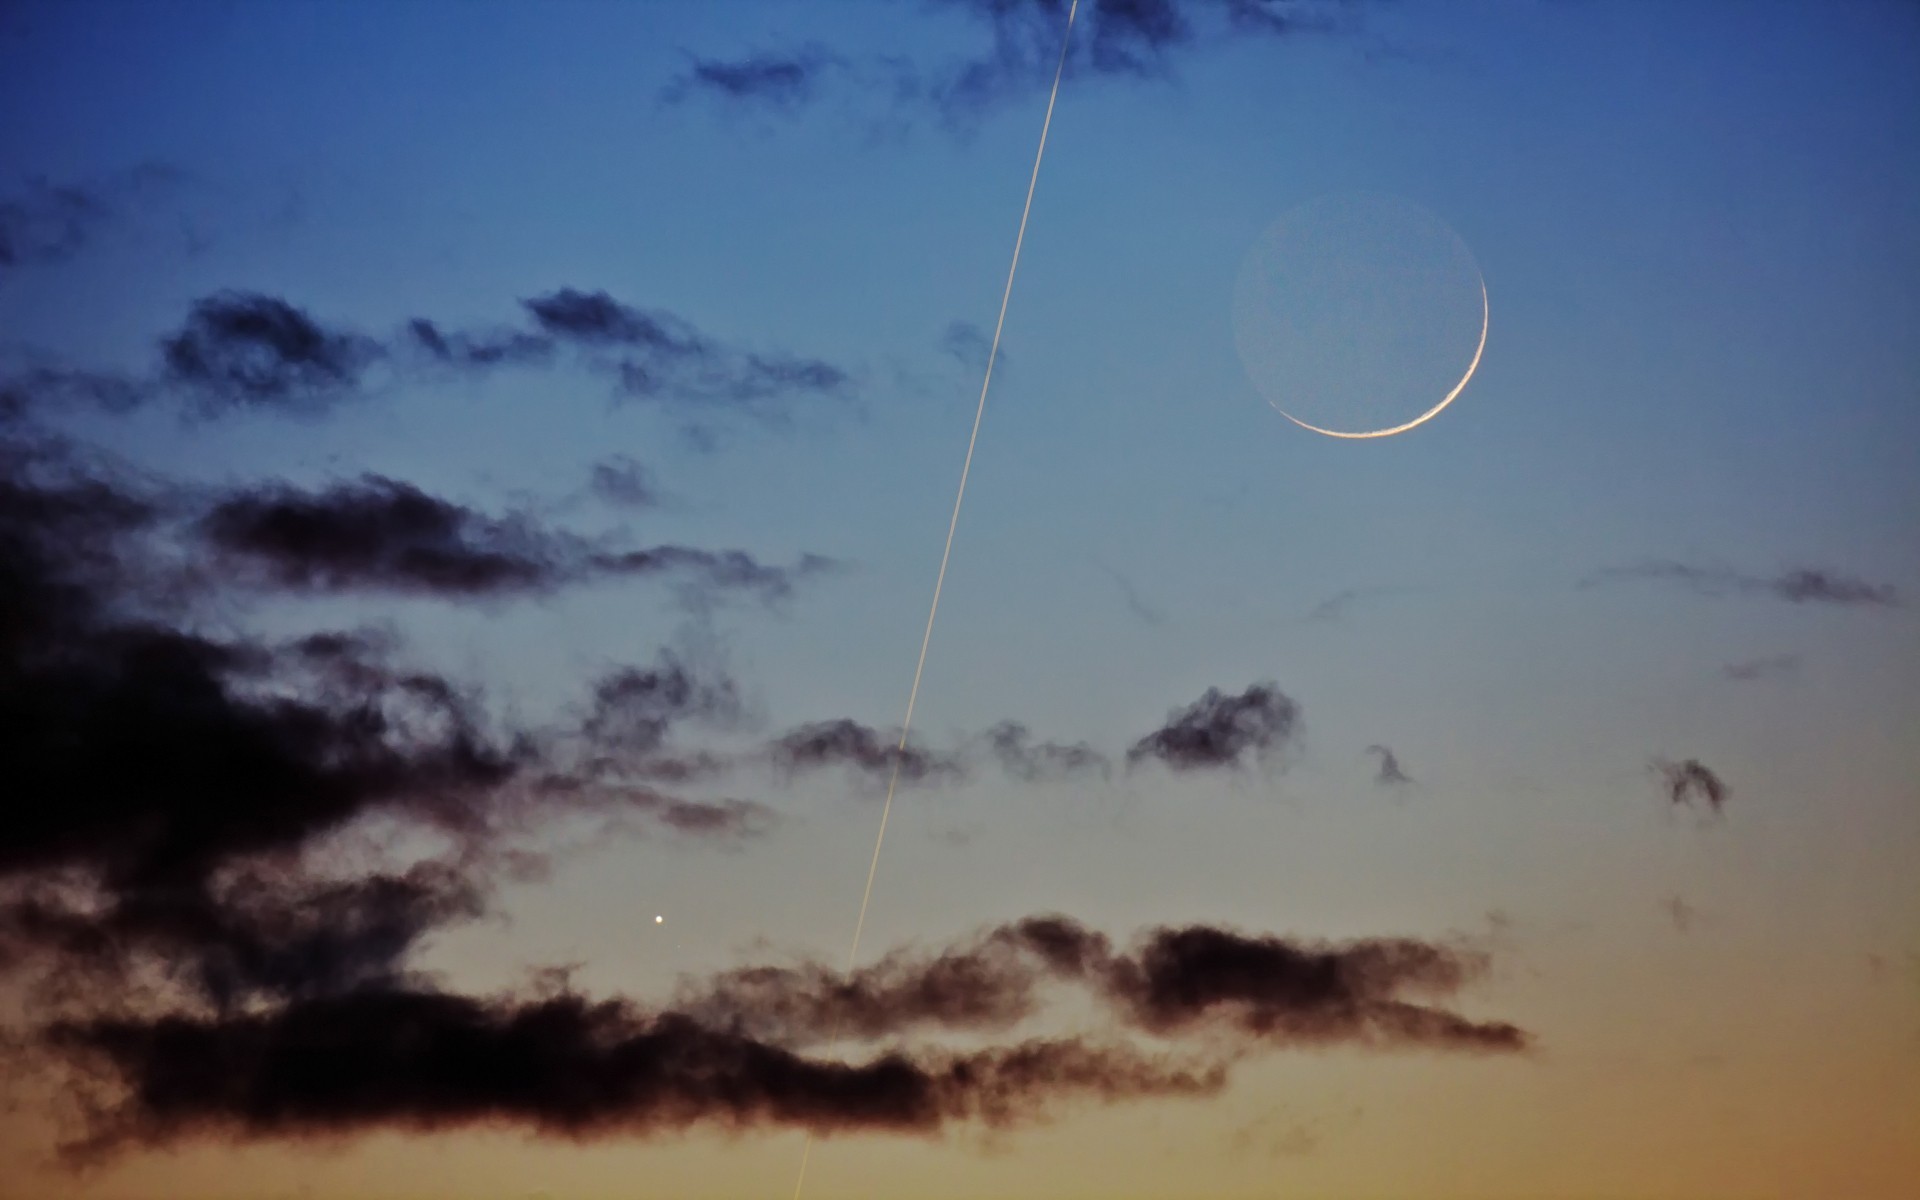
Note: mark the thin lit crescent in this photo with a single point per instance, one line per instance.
(1424, 417)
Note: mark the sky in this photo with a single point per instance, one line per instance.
(473, 478)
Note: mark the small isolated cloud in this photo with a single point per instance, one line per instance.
(1679, 912)
(1389, 774)
(1797, 585)
(1690, 779)
(1772, 666)
(1221, 730)
(1136, 604)
(969, 345)
(621, 481)
(660, 355)
(1029, 761)
(1342, 603)
(775, 79)
(384, 535)
(45, 223)
(244, 349)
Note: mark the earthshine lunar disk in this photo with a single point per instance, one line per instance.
(1424, 417)
(1364, 251)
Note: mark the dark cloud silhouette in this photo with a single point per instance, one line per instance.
(1022, 43)
(143, 749)
(1389, 774)
(661, 355)
(1219, 730)
(848, 743)
(1798, 585)
(45, 223)
(634, 708)
(379, 534)
(561, 1065)
(167, 789)
(1024, 759)
(1773, 666)
(597, 318)
(1195, 979)
(1690, 779)
(244, 349)
(732, 1051)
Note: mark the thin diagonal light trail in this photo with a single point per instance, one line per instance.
(953, 523)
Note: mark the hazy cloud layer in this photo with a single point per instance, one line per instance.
(44, 223)
(1772, 666)
(1797, 585)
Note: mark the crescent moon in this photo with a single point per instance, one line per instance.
(1424, 417)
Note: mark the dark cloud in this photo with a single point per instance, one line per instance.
(634, 708)
(1773, 666)
(847, 743)
(1304, 992)
(658, 355)
(561, 1065)
(1389, 774)
(169, 791)
(733, 1051)
(1019, 44)
(1024, 759)
(143, 749)
(379, 534)
(598, 319)
(1798, 585)
(622, 481)
(245, 936)
(244, 349)
(47, 223)
(1690, 779)
(1219, 730)
(773, 78)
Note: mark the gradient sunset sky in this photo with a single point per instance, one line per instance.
(472, 478)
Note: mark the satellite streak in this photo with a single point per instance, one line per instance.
(953, 523)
